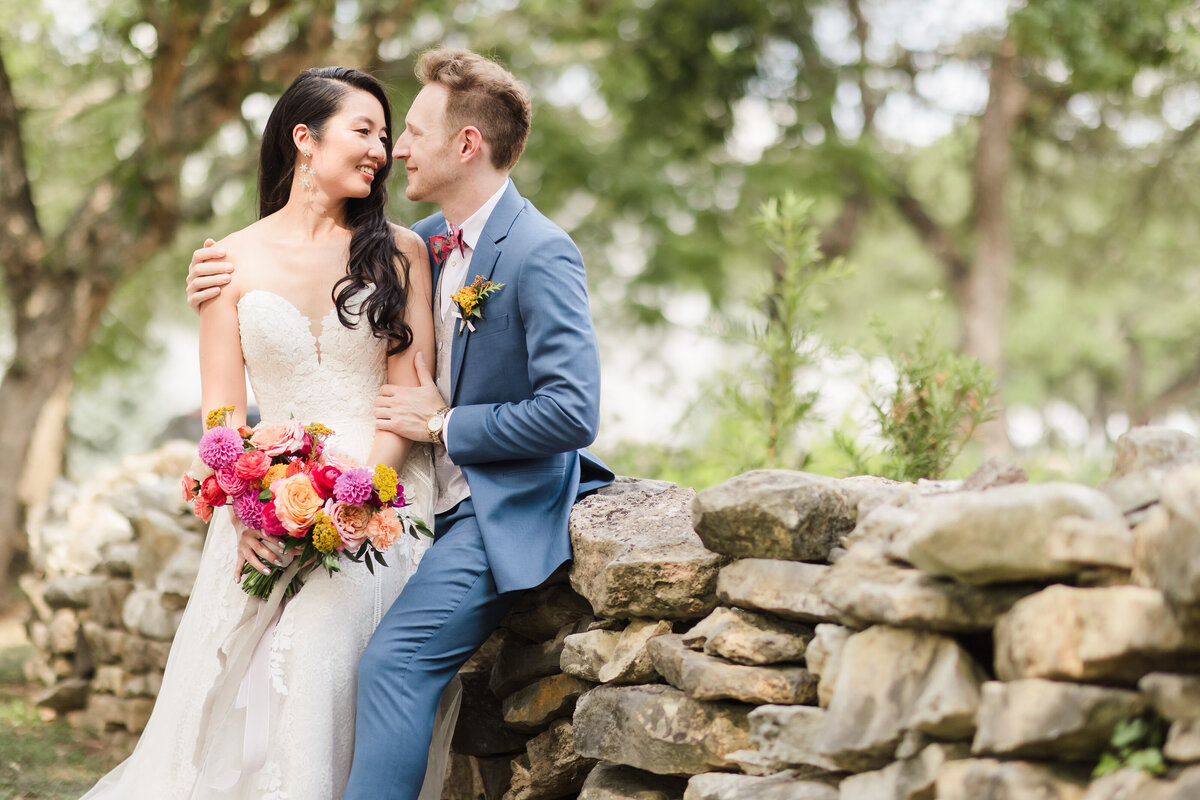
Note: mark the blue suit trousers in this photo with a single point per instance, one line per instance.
(445, 612)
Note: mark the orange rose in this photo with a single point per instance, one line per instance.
(383, 529)
(296, 503)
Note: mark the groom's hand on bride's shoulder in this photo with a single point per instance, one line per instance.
(207, 273)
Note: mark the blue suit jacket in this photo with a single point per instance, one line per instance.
(525, 388)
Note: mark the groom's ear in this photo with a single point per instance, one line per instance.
(470, 143)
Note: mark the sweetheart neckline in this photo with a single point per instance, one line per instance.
(316, 337)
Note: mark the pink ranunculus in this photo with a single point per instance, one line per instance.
(323, 477)
(296, 503)
(212, 492)
(351, 522)
(270, 520)
(190, 486)
(384, 528)
(230, 483)
(252, 465)
(276, 440)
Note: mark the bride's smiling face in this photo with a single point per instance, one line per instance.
(351, 147)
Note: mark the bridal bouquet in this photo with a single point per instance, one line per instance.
(281, 481)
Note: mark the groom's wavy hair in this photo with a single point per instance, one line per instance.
(483, 94)
(314, 97)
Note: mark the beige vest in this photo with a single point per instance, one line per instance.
(452, 486)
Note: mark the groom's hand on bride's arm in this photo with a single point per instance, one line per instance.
(405, 410)
(207, 273)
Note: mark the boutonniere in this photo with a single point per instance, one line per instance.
(470, 300)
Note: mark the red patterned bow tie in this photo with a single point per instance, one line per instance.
(442, 245)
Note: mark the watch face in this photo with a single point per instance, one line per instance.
(436, 422)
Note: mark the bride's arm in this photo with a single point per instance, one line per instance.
(222, 368)
(387, 446)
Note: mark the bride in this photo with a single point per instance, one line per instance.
(258, 697)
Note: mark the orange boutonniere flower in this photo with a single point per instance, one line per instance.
(470, 300)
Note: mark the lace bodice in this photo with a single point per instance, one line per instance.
(331, 378)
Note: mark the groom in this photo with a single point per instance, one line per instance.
(514, 399)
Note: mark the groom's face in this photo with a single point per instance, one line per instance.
(426, 147)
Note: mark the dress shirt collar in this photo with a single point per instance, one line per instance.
(472, 227)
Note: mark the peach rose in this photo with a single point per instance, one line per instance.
(343, 462)
(350, 521)
(275, 440)
(296, 503)
(384, 528)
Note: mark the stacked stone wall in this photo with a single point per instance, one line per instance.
(781, 636)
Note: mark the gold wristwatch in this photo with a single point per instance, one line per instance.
(435, 424)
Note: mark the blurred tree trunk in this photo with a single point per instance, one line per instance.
(59, 287)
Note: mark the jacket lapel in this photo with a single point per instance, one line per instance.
(487, 255)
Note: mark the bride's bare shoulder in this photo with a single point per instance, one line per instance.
(245, 249)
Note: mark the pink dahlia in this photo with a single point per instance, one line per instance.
(220, 447)
(249, 509)
(354, 487)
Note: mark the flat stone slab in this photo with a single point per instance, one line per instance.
(774, 514)
(659, 729)
(875, 591)
(893, 681)
(1111, 635)
(1175, 697)
(906, 779)
(533, 708)
(706, 677)
(550, 767)
(998, 535)
(977, 778)
(636, 555)
(630, 661)
(790, 735)
(1177, 566)
(1050, 720)
(1076, 540)
(783, 786)
(584, 654)
(619, 782)
(1150, 446)
(785, 588)
(744, 637)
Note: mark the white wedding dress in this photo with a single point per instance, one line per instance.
(295, 669)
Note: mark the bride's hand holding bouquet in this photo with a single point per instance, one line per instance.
(315, 505)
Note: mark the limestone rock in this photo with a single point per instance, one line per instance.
(72, 591)
(706, 677)
(1178, 570)
(1175, 697)
(1043, 719)
(1109, 635)
(518, 665)
(907, 779)
(774, 514)
(625, 485)
(584, 654)
(64, 696)
(878, 592)
(993, 473)
(1082, 541)
(471, 778)
(532, 708)
(630, 661)
(637, 556)
(1148, 549)
(550, 767)
(145, 613)
(974, 779)
(824, 658)
(108, 602)
(784, 786)
(744, 637)
(117, 559)
(892, 681)
(998, 535)
(659, 729)
(1149, 446)
(1183, 742)
(790, 735)
(619, 782)
(539, 615)
(63, 632)
(159, 535)
(179, 575)
(142, 655)
(1125, 784)
(786, 588)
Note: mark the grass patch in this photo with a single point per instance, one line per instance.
(39, 759)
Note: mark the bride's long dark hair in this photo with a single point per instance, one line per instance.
(314, 97)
